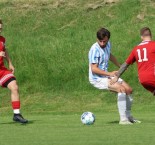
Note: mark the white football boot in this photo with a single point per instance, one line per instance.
(125, 122)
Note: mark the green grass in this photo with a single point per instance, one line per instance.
(63, 129)
(48, 41)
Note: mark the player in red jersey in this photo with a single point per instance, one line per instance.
(8, 80)
(144, 55)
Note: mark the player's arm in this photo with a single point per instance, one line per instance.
(2, 53)
(130, 60)
(96, 70)
(121, 70)
(114, 60)
(7, 57)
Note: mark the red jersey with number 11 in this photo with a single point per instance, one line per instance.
(144, 55)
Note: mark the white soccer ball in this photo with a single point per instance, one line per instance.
(88, 118)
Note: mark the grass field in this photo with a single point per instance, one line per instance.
(67, 130)
(48, 41)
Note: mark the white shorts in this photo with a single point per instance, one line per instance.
(102, 83)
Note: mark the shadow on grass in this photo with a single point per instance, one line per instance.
(30, 122)
(113, 122)
(142, 122)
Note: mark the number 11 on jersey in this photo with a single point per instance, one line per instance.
(139, 55)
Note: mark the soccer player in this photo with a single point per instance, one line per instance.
(8, 80)
(144, 55)
(99, 77)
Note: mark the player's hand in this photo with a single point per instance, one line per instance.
(2, 53)
(113, 80)
(11, 67)
(113, 73)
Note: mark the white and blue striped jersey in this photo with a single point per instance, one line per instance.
(99, 56)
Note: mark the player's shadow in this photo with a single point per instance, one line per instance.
(113, 122)
(30, 122)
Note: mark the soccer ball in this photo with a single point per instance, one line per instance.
(88, 118)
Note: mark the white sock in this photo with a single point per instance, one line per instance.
(121, 103)
(129, 100)
(16, 111)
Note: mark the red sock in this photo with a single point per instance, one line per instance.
(16, 104)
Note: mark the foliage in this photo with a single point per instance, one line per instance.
(49, 40)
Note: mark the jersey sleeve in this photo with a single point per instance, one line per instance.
(94, 56)
(131, 58)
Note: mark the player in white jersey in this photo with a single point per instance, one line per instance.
(99, 77)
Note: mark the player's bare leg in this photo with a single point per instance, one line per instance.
(13, 87)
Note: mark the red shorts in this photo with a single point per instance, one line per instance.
(6, 76)
(150, 86)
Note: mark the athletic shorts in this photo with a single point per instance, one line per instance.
(6, 76)
(102, 83)
(150, 86)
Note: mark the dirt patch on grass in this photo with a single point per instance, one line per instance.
(29, 4)
(98, 4)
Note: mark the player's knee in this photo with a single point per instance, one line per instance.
(14, 87)
(129, 90)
